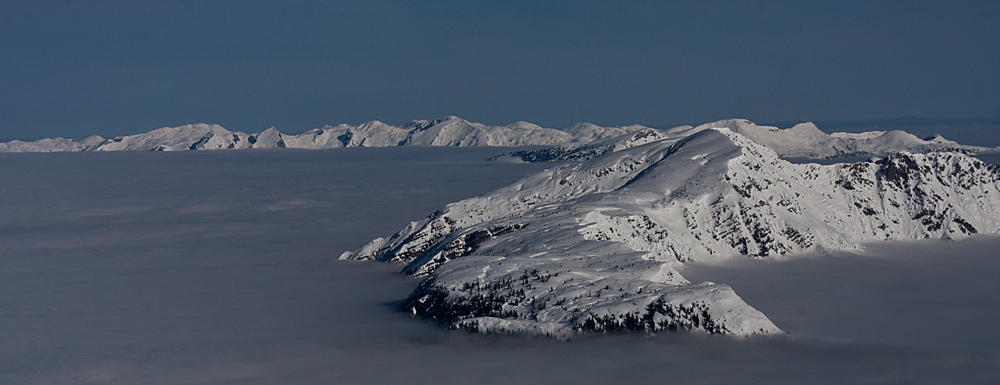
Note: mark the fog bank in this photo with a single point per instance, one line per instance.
(218, 268)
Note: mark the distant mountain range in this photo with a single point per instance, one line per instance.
(447, 131)
(981, 131)
(574, 142)
(803, 140)
(884, 123)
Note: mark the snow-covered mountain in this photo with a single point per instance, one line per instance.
(801, 141)
(599, 244)
(447, 131)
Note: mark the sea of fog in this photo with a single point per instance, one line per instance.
(219, 268)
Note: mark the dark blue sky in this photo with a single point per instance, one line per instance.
(74, 68)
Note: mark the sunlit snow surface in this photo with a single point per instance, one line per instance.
(217, 267)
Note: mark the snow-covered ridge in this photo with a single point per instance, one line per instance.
(597, 244)
(801, 141)
(447, 131)
(576, 142)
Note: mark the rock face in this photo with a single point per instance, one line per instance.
(447, 131)
(595, 245)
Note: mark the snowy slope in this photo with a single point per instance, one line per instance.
(187, 137)
(591, 150)
(447, 131)
(801, 141)
(807, 141)
(595, 245)
(586, 132)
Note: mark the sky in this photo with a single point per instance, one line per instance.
(73, 68)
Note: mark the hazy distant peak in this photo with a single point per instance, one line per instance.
(374, 123)
(937, 138)
(805, 127)
(732, 124)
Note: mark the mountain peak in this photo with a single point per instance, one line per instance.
(805, 127)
